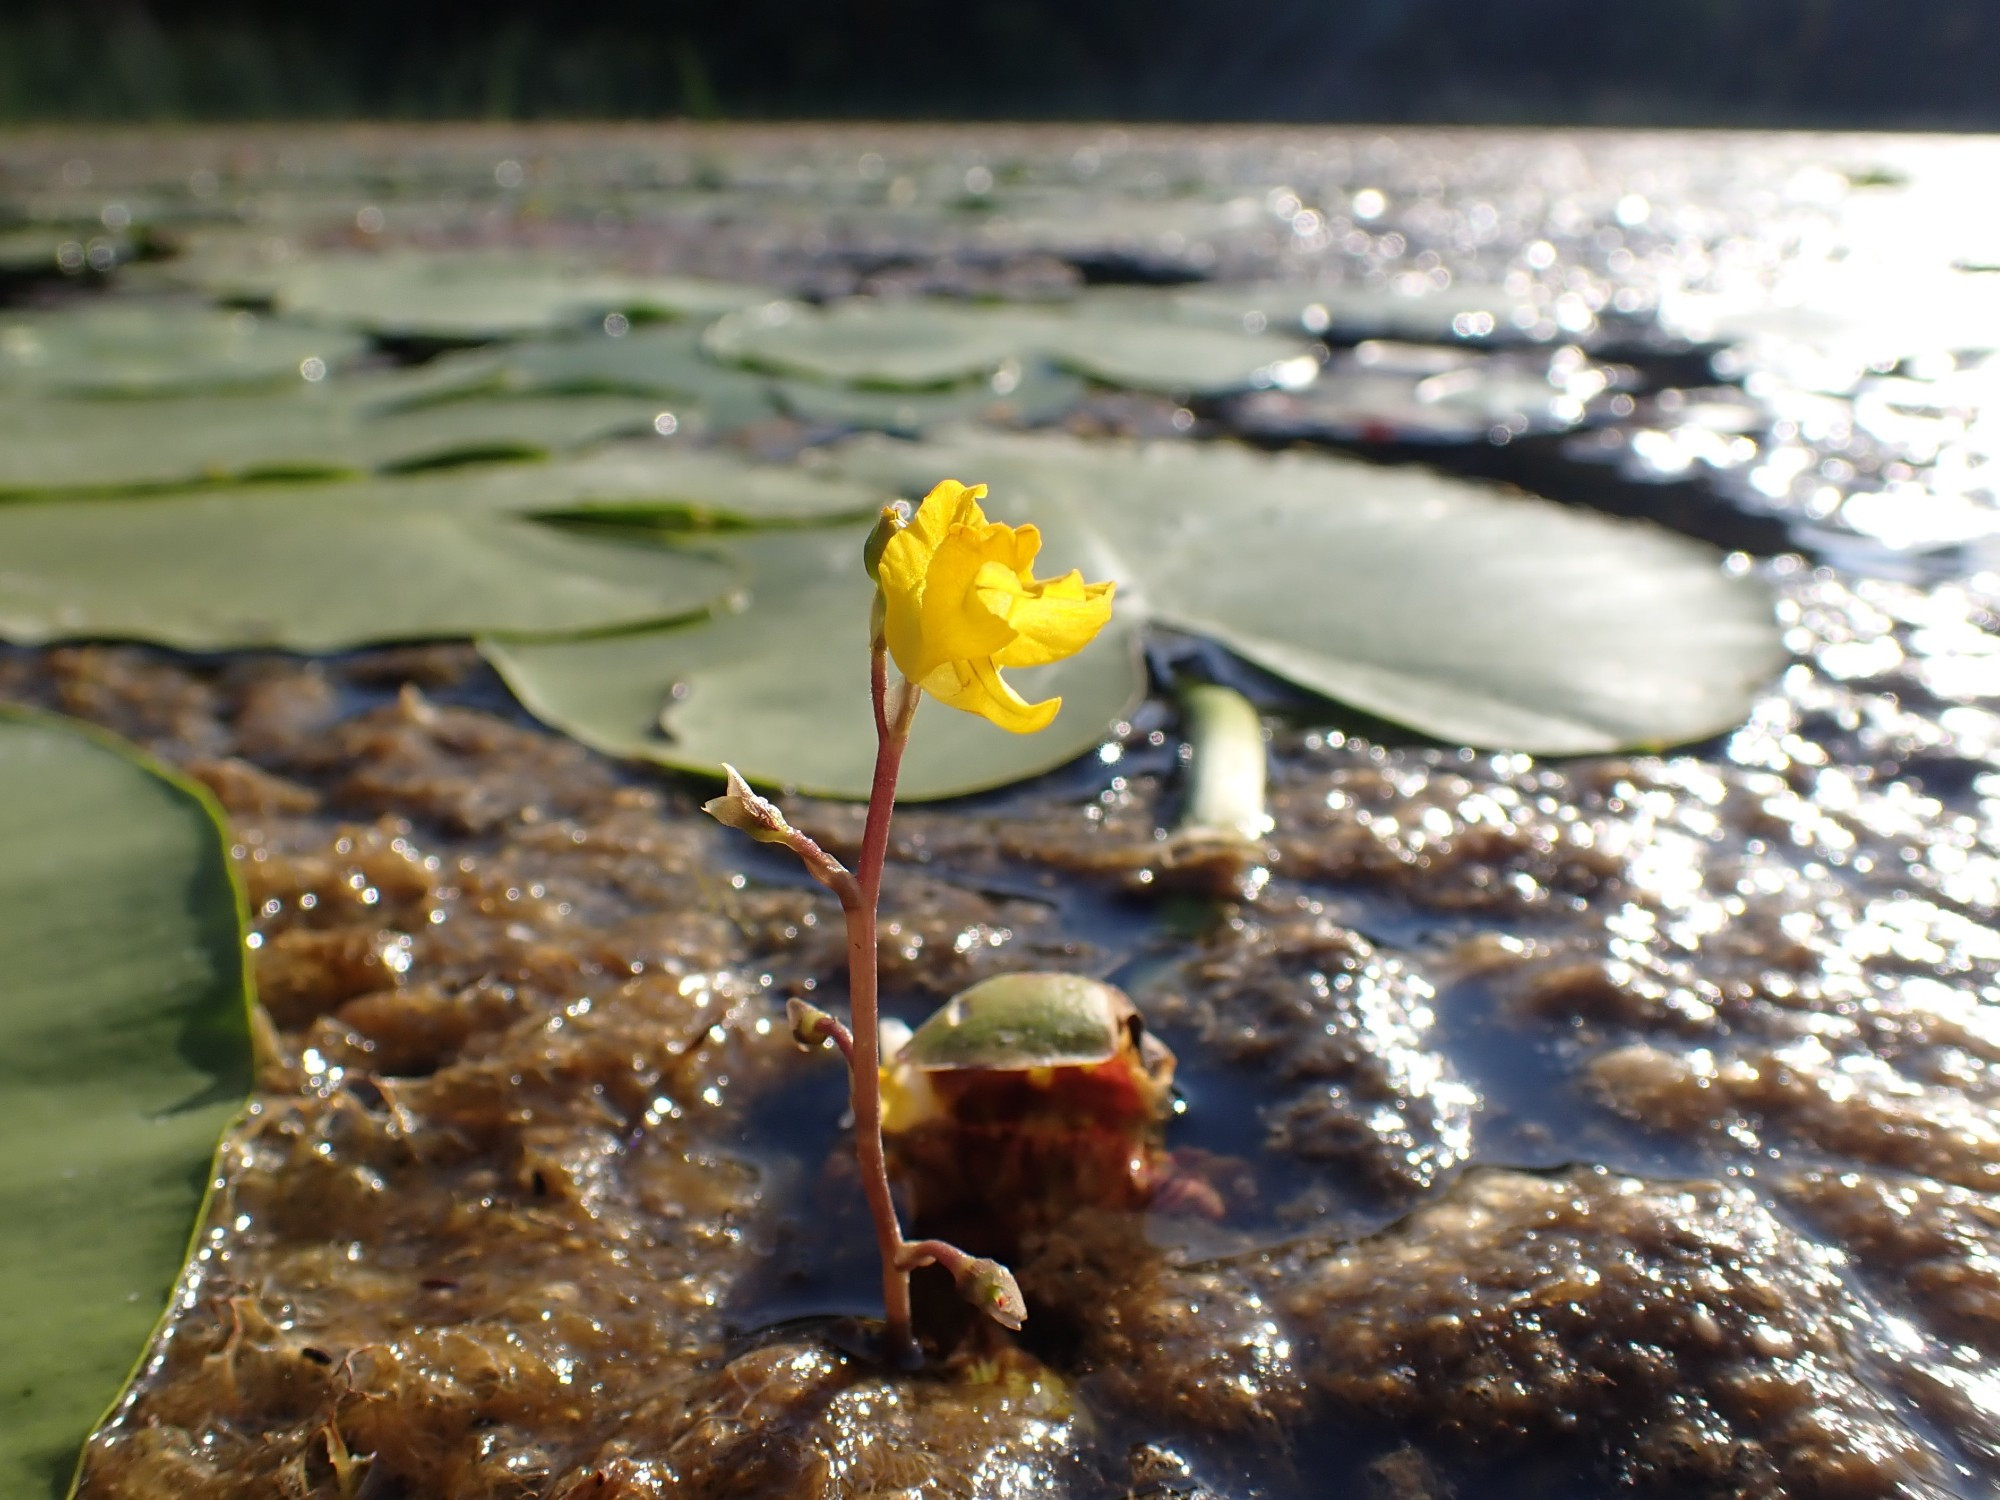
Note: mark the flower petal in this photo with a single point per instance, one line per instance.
(976, 688)
(957, 621)
(1054, 620)
(948, 504)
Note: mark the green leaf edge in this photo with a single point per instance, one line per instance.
(204, 799)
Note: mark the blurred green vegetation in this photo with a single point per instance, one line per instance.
(1670, 62)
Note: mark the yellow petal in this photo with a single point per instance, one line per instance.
(957, 623)
(948, 504)
(899, 578)
(977, 688)
(1055, 620)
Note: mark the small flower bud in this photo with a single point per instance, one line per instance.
(990, 1287)
(811, 1026)
(743, 809)
(892, 520)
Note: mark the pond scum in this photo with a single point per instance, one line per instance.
(1617, 1122)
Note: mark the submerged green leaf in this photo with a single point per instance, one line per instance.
(1467, 613)
(124, 1050)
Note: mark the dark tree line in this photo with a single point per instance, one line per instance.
(1739, 62)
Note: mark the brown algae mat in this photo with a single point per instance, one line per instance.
(1595, 1164)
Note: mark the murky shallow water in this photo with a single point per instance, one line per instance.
(1583, 1126)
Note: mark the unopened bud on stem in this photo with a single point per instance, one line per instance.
(990, 1287)
(743, 809)
(986, 1284)
(811, 1026)
(892, 520)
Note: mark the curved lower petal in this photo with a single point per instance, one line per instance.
(975, 687)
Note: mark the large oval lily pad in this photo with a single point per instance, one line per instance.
(469, 296)
(142, 348)
(124, 1050)
(1126, 340)
(320, 571)
(1467, 613)
(53, 444)
(779, 687)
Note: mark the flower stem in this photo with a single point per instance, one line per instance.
(865, 1058)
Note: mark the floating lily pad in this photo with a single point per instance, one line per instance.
(50, 444)
(664, 362)
(472, 296)
(1464, 612)
(124, 1051)
(779, 687)
(915, 345)
(1340, 310)
(144, 348)
(908, 345)
(1016, 394)
(319, 571)
(1400, 393)
(1471, 614)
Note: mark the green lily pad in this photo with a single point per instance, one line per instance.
(471, 296)
(1128, 340)
(895, 345)
(666, 362)
(1465, 612)
(672, 364)
(124, 1051)
(779, 687)
(1469, 613)
(50, 444)
(1015, 394)
(1339, 310)
(321, 570)
(144, 348)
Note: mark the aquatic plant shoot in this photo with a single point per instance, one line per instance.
(956, 602)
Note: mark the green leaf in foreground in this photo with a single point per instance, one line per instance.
(321, 569)
(124, 1050)
(1467, 613)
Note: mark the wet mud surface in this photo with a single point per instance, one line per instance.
(1621, 1125)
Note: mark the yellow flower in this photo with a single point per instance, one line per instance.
(960, 601)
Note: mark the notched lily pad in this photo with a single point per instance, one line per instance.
(1128, 340)
(779, 686)
(470, 296)
(1465, 612)
(124, 1051)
